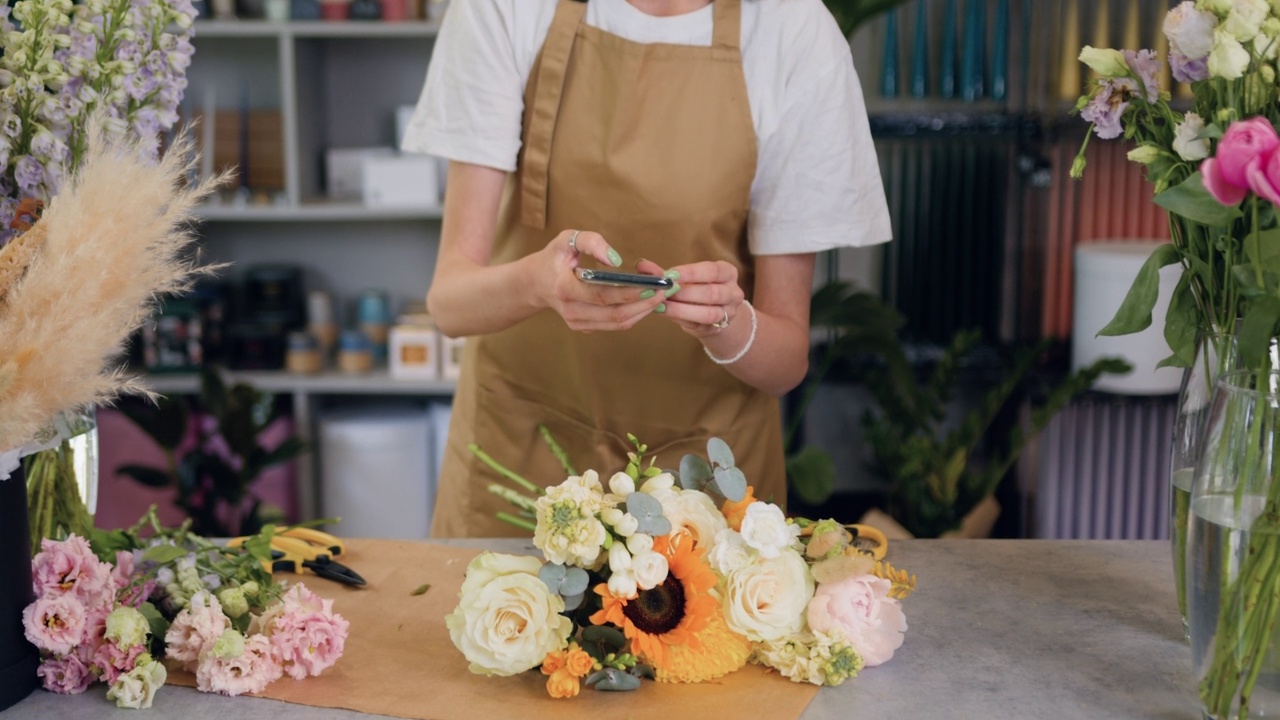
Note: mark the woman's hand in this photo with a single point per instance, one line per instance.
(706, 298)
(586, 307)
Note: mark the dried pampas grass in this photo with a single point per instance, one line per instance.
(115, 240)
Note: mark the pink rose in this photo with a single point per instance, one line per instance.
(308, 636)
(859, 609)
(1246, 144)
(64, 674)
(54, 623)
(195, 628)
(1264, 178)
(69, 566)
(249, 672)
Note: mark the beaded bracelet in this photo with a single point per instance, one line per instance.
(755, 323)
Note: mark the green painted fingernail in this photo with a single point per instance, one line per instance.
(662, 307)
(673, 274)
(646, 294)
(615, 258)
(672, 290)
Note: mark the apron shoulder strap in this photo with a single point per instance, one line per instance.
(552, 64)
(726, 33)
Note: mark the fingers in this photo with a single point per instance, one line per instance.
(587, 317)
(593, 244)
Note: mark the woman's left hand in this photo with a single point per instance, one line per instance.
(706, 297)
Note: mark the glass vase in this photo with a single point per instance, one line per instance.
(1233, 550)
(62, 479)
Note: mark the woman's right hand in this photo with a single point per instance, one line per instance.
(586, 307)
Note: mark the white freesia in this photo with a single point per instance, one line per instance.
(661, 481)
(766, 529)
(1190, 31)
(1244, 20)
(627, 525)
(621, 484)
(623, 584)
(611, 516)
(1228, 59)
(639, 543)
(692, 512)
(730, 553)
(649, 568)
(766, 600)
(1107, 62)
(1185, 141)
(569, 531)
(619, 558)
(509, 623)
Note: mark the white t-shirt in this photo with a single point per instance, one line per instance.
(817, 183)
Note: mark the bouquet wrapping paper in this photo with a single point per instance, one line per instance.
(399, 661)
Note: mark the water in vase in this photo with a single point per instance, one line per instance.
(1181, 501)
(1218, 538)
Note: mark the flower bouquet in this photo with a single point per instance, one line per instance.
(208, 609)
(678, 576)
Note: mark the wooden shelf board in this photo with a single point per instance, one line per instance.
(330, 382)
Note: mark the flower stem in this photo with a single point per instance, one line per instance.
(517, 521)
(556, 450)
(503, 471)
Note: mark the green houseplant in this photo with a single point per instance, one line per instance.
(933, 468)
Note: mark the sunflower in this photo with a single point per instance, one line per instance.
(671, 614)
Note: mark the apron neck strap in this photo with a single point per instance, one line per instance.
(726, 31)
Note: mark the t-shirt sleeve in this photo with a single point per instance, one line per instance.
(817, 184)
(471, 105)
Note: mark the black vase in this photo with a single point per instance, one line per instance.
(18, 658)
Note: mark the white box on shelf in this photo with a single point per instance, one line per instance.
(401, 181)
(344, 170)
(451, 357)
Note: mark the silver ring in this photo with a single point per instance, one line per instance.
(573, 240)
(724, 323)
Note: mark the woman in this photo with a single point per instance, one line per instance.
(722, 144)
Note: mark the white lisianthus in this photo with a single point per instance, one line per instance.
(568, 530)
(509, 623)
(1185, 141)
(766, 600)
(1190, 31)
(136, 689)
(621, 484)
(661, 481)
(1221, 7)
(1228, 59)
(619, 558)
(1266, 44)
(1244, 20)
(1106, 62)
(692, 512)
(730, 553)
(639, 543)
(126, 627)
(623, 584)
(649, 568)
(766, 529)
(1144, 154)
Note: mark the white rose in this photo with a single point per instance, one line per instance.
(639, 543)
(1228, 59)
(1190, 31)
(619, 558)
(1185, 142)
(137, 688)
(767, 599)
(623, 584)
(1245, 18)
(650, 569)
(621, 484)
(693, 512)
(765, 528)
(730, 553)
(661, 481)
(508, 625)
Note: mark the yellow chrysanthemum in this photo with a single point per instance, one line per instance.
(719, 652)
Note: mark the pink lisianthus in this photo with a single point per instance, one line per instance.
(859, 609)
(69, 566)
(308, 636)
(64, 674)
(194, 629)
(1244, 147)
(55, 623)
(249, 672)
(113, 661)
(93, 637)
(130, 594)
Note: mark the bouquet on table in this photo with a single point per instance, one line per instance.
(211, 610)
(679, 576)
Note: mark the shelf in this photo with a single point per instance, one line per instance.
(332, 382)
(313, 211)
(315, 28)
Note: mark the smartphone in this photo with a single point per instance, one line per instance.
(607, 277)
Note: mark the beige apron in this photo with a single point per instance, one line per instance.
(653, 146)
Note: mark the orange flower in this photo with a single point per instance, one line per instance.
(562, 684)
(734, 511)
(553, 661)
(579, 662)
(670, 614)
(721, 652)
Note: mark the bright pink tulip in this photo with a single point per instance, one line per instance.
(1218, 186)
(1244, 142)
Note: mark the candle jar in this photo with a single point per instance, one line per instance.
(355, 353)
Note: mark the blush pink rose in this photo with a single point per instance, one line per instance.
(64, 674)
(54, 623)
(859, 609)
(194, 629)
(250, 672)
(1244, 147)
(69, 566)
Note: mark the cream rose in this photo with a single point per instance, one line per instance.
(506, 620)
(1190, 31)
(860, 609)
(766, 600)
(730, 553)
(1185, 142)
(766, 529)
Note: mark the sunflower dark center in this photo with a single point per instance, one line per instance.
(657, 611)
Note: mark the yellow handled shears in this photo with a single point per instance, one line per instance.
(306, 550)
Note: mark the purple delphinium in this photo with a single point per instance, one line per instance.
(1145, 65)
(1188, 70)
(29, 174)
(1107, 106)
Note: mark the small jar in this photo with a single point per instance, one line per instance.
(320, 322)
(373, 313)
(355, 352)
(303, 354)
(414, 348)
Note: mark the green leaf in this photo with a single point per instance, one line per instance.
(812, 474)
(648, 511)
(286, 450)
(718, 453)
(151, 477)
(1263, 249)
(420, 590)
(605, 635)
(161, 554)
(1256, 331)
(165, 421)
(1182, 323)
(157, 622)
(1134, 314)
(694, 472)
(1192, 201)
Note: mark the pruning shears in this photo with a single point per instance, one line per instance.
(306, 550)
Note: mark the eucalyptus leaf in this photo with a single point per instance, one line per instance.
(573, 602)
(1134, 314)
(1192, 201)
(1182, 322)
(604, 635)
(731, 483)
(552, 575)
(648, 511)
(612, 680)
(1256, 331)
(575, 581)
(718, 452)
(694, 472)
(643, 670)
